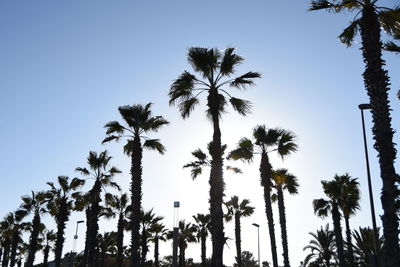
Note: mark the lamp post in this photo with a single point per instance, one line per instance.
(258, 241)
(363, 107)
(175, 235)
(72, 261)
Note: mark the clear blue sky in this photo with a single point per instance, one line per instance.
(66, 66)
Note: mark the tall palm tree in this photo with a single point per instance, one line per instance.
(236, 210)
(119, 207)
(322, 248)
(364, 246)
(186, 235)
(62, 198)
(265, 142)
(202, 223)
(49, 237)
(158, 233)
(102, 175)
(323, 207)
(215, 69)
(369, 20)
(139, 121)
(36, 205)
(284, 181)
(147, 219)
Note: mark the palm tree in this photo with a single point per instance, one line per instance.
(265, 142)
(158, 233)
(283, 180)
(237, 210)
(12, 228)
(369, 20)
(119, 207)
(202, 227)
(186, 235)
(323, 207)
(5, 242)
(106, 244)
(139, 121)
(36, 205)
(322, 247)
(364, 246)
(213, 66)
(49, 237)
(60, 205)
(147, 219)
(102, 175)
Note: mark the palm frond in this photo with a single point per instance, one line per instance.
(187, 106)
(321, 207)
(229, 62)
(200, 155)
(83, 171)
(182, 88)
(392, 47)
(155, 123)
(110, 138)
(245, 80)
(154, 144)
(204, 60)
(128, 147)
(244, 151)
(234, 169)
(331, 6)
(114, 127)
(243, 107)
(348, 34)
(390, 20)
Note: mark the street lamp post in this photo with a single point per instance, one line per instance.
(363, 107)
(175, 235)
(258, 241)
(72, 261)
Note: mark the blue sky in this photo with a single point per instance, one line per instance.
(67, 66)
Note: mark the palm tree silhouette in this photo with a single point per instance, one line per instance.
(283, 180)
(13, 226)
(202, 227)
(237, 210)
(322, 248)
(158, 233)
(364, 245)
(213, 66)
(265, 142)
(186, 235)
(369, 20)
(139, 121)
(49, 237)
(147, 219)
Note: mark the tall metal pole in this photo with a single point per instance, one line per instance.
(258, 242)
(175, 235)
(72, 257)
(362, 107)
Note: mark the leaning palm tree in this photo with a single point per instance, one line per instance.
(186, 235)
(62, 198)
(265, 142)
(139, 121)
(158, 233)
(236, 210)
(102, 175)
(322, 248)
(364, 246)
(202, 223)
(49, 237)
(369, 21)
(283, 180)
(215, 69)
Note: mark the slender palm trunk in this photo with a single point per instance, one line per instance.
(14, 245)
(238, 240)
(338, 234)
(33, 239)
(87, 240)
(376, 82)
(136, 198)
(94, 225)
(46, 255)
(6, 252)
(216, 184)
(203, 239)
(350, 252)
(62, 218)
(120, 240)
(144, 245)
(182, 259)
(156, 247)
(282, 220)
(266, 173)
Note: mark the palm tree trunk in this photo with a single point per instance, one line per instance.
(238, 240)
(216, 184)
(46, 255)
(338, 234)
(377, 83)
(14, 245)
(62, 218)
(144, 245)
(266, 173)
(33, 239)
(87, 240)
(120, 240)
(6, 252)
(181, 256)
(136, 198)
(203, 247)
(94, 225)
(350, 255)
(156, 262)
(282, 220)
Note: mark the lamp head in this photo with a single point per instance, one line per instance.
(256, 225)
(365, 106)
(79, 221)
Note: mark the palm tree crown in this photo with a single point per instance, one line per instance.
(322, 247)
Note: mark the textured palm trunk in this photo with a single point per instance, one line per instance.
(376, 82)
(216, 184)
(136, 198)
(282, 221)
(238, 240)
(62, 218)
(46, 255)
(144, 245)
(203, 239)
(338, 234)
(266, 173)
(87, 240)
(156, 262)
(33, 239)
(6, 252)
(120, 240)
(94, 225)
(350, 252)
(182, 259)
(14, 246)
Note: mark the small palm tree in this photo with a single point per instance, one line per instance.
(5, 242)
(202, 227)
(107, 243)
(265, 142)
(139, 121)
(364, 246)
(158, 233)
(147, 219)
(284, 181)
(49, 237)
(215, 68)
(369, 21)
(61, 203)
(186, 235)
(102, 175)
(12, 228)
(322, 248)
(237, 210)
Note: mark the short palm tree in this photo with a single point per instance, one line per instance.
(158, 233)
(49, 237)
(202, 223)
(62, 197)
(5, 242)
(139, 121)
(364, 246)
(147, 219)
(186, 235)
(12, 228)
(322, 248)
(236, 210)
(265, 142)
(106, 244)
(284, 181)
(215, 69)
(369, 21)
(102, 175)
